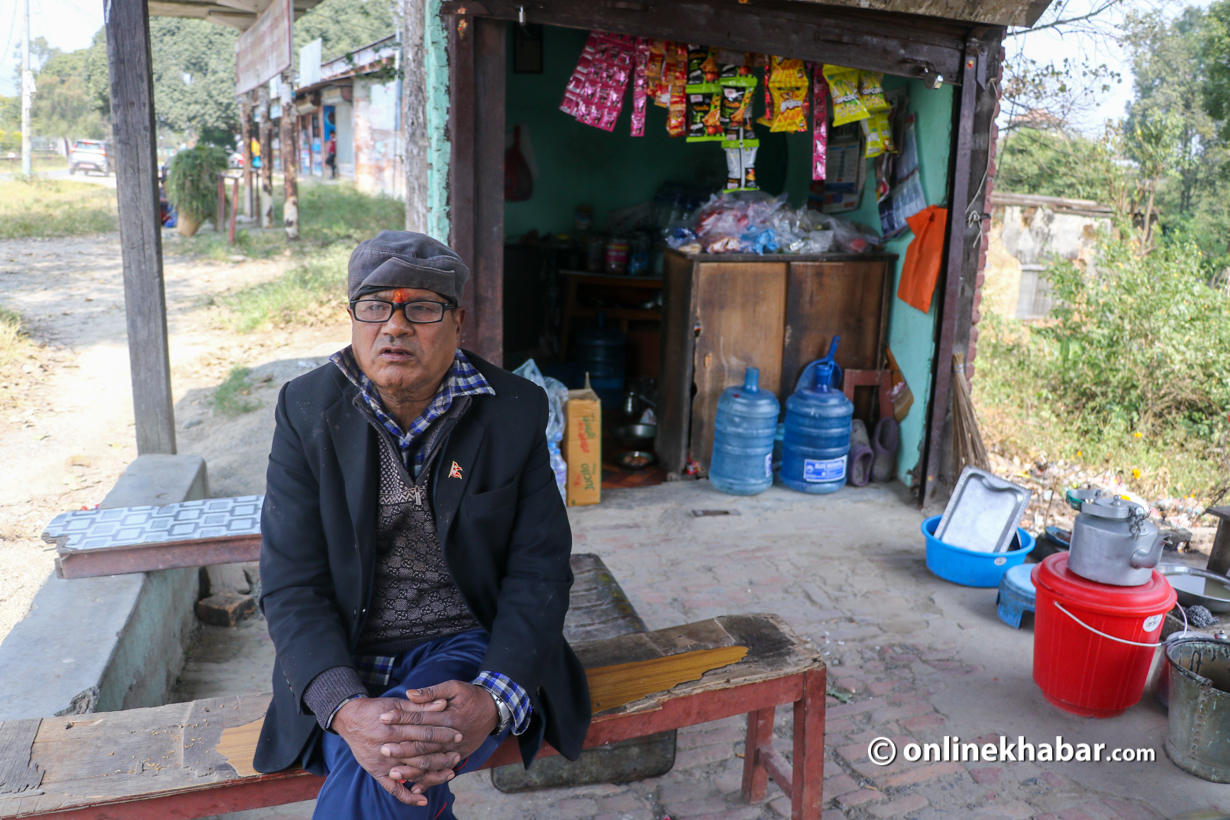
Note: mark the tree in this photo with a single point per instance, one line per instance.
(1056, 162)
(194, 75)
(344, 25)
(64, 106)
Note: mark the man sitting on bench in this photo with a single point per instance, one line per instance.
(414, 554)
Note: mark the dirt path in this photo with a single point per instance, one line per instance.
(74, 437)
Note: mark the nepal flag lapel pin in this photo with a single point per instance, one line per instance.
(456, 471)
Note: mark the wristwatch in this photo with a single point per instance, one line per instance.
(505, 714)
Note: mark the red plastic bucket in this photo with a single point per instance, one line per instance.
(1079, 670)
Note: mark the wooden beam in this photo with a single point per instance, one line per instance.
(136, 182)
(288, 151)
(902, 44)
(487, 262)
(973, 116)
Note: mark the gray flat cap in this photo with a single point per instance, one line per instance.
(403, 259)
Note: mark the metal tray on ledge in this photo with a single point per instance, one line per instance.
(983, 513)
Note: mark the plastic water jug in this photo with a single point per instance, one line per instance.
(743, 431)
(600, 352)
(816, 445)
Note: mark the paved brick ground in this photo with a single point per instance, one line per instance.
(910, 658)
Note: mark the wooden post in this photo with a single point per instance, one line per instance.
(290, 158)
(249, 193)
(416, 145)
(136, 177)
(266, 132)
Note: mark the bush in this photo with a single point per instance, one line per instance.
(1139, 342)
(192, 183)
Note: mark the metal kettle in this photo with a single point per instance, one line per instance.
(1113, 541)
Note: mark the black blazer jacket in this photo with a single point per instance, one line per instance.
(502, 526)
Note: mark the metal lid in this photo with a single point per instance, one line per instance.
(1113, 508)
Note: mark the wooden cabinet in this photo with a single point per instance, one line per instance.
(725, 313)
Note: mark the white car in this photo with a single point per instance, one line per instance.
(90, 155)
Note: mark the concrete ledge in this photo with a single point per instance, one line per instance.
(104, 644)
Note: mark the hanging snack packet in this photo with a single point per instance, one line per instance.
(675, 74)
(653, 71)
(572, 92)
(741, 164)
(843, 93)
(738, 92)
(787, 103)
(878, 130)
(702, 65)
(704, 112)
(820, 124)
(640, 90)
(871, 91)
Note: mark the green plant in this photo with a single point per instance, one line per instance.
(192, 184)
(1140, 341)
(231, 397)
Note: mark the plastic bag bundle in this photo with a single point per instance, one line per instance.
(557, 395)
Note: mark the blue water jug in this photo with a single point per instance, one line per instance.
(600, 352)
(816, 444)
(743, 431)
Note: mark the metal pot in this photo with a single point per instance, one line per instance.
(1113, 542)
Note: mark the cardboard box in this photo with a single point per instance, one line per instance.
(582, 447)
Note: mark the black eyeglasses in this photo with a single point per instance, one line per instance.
(378, 311)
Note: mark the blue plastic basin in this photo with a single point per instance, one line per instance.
(969, 567)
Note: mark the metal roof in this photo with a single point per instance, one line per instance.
(239, 14)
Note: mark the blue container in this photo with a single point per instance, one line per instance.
(816, 444)
(969, 567)
(743, 432)
(600, 353)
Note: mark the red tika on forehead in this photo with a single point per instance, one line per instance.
(401, 295)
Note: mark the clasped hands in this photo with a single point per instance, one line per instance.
(410, 745)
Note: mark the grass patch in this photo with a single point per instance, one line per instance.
(1021, 416)
(54, 207)
(328, 213)
(13, 342)
(19, 362)
(231, 397)
(313, 292)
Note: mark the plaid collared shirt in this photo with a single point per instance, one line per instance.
(462, 380)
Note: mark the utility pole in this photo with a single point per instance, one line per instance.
(27, 88)
(249, 192)
(288, 150)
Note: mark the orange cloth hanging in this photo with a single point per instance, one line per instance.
(922, 258)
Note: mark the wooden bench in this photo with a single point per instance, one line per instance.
(190, 760)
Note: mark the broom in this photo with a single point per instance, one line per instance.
(967, 446)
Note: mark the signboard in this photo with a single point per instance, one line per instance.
(264, 50)
(309, 63)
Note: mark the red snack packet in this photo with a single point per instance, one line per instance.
(573, 91)
(640, 89)
(820, 123)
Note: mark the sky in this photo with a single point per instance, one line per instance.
(67, 24)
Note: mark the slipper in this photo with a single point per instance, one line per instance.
(887, 439)
(861, 454)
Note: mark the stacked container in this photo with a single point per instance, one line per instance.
(743, 434)
(816, 443)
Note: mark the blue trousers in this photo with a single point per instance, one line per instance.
(350, 792)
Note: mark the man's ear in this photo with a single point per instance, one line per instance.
(460, 314)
